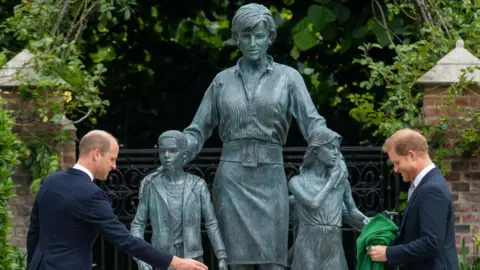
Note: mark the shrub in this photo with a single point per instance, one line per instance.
(11, 150)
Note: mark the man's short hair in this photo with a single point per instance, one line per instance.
(405, 140)
(96, 139)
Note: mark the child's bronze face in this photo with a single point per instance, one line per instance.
(328, 153)
(171, 156)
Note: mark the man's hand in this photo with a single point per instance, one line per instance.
(187, 264)
(378, 253)
(222, 264)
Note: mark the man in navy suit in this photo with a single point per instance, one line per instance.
(70, 211)
(426, 238)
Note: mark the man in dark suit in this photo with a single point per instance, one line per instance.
(426, 238)
(70, 211)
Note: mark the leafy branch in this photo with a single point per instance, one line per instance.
(401, 106)
(60, 84)
(11, 151)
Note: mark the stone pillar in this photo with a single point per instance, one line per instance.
(28, 124)
(464, 178)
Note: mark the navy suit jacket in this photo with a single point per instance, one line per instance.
(426, 237)
(68, 214)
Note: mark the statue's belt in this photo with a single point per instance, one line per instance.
(251, 152)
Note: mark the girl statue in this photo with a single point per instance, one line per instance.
(321, 194)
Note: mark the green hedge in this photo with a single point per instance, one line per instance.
(11, 151)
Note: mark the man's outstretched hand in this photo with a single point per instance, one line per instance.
(186, 264)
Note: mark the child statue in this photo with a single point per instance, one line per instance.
(175, 202)
(321, 194)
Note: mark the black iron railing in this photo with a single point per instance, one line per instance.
(374, 190)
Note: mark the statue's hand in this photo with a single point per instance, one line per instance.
(366, 220)
(222, 264)
(143, 266)
(341, 170)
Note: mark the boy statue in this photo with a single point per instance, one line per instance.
(175, 202)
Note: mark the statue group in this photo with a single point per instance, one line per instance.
(247, 221)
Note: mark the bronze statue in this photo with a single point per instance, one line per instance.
(321, 195)
(252, 105)
(175, 202)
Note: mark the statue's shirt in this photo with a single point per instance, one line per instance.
(330, 212)
(262, 111)
(174, 192)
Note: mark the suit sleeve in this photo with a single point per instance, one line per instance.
(433, 215)
(99, 214)
(33, 233)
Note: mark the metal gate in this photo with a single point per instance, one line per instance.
(374, 190)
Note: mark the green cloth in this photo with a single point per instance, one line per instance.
(379, 231)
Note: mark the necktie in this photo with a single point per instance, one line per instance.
(410, 190)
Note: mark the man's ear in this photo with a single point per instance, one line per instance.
(95, 154)
(412, 154)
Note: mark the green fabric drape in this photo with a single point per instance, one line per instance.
(379, 231)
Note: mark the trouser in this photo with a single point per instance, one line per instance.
(258, 267)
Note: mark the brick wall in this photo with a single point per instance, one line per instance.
(464, 178)
(28, 126)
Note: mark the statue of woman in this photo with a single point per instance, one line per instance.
(320, 194)
(252, 104)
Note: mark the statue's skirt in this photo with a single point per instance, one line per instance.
(250, 197)
(319, 247)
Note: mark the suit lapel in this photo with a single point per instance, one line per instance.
(414, 194)
(160, 188)
(188, 190)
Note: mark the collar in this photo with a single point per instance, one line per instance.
(83, 169)
(422, 174)
(238, 67)
(161, 172)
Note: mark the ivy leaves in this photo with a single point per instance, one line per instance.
(11, 151)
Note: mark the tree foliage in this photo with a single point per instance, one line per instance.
(60, 84)
(439, 25)
(11, 151)
(167, 54)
